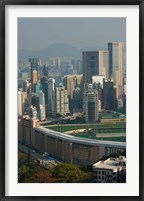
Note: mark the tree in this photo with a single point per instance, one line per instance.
(70, 173)
(42, 176)
(23, 172)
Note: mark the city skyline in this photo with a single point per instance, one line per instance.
(69, 109)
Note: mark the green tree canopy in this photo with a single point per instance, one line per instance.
(70, 173)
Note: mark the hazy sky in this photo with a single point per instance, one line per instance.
(39, 33)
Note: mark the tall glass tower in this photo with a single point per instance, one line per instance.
(116, 65)
(95, 63)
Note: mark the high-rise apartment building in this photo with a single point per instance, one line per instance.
(62, 103)
(48, 88)
(108, 96)
(38, 102)
(71, 82)
(37, 88)
(91, 103)
(34, 63)
(32, 111)
(98, 85)
(55, 61)
(25, 85)
(29, 95)
(25, 130)
(45, 71)
(77, 99)
(98, 79)
(51, 95)
(58, 62)
(116, 65)
(44, 87)
(103, 63)
(35, 101)
(95, 63)
(42, 113)
(34, 80)
(41, 98)
(22, 102)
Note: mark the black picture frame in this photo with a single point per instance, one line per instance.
(3, 3)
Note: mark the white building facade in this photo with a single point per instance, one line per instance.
(62, 103)
(112, 170)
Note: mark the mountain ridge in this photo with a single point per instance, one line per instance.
(54, 50)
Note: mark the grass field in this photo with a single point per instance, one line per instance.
(117, 139)
(105, 131)
(114, 138)
(106, 128)
(99, 128)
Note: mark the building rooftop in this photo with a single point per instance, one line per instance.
(111, 163)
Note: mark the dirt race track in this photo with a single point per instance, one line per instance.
(111, 135)
(102, 135)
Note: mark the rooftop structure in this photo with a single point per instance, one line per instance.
(112, 170)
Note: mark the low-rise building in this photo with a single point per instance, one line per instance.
(112, 170)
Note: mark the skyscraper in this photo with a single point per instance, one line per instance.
(34, 63)
(62, 103)
(41, 98)
(91, 103)
(35, 101)
(71, 82)
(116, 65)
(108, 96)
(95, 63)
(32, 111)
(22, 102)
(51, 95)
(34, 79)
(48, 88)
(45, 71)
(42, 114)
(55, 61)
(37, 88)
(98, 79)
(44, 87)
(25, 85)
(103, 63)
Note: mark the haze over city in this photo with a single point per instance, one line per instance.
(72, 100)
(38, 33)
